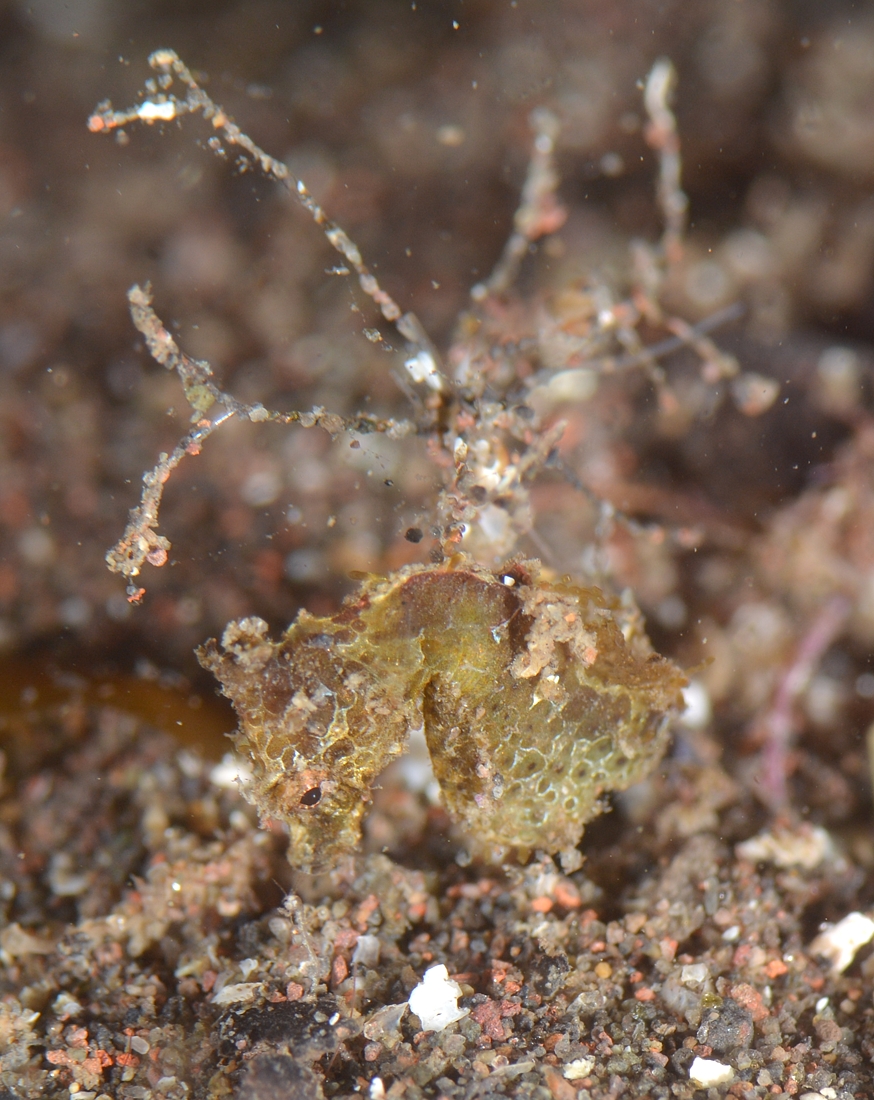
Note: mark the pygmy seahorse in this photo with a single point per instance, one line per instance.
(536, 697)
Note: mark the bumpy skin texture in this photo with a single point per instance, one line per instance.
(536, 697)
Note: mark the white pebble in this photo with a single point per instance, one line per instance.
(839, 942)
(435, 1000)
(576, 1071)
(705, 1072)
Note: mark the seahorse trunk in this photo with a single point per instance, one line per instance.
(536, 698)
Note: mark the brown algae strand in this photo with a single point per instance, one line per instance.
(536, 697)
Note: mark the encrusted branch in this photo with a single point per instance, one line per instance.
(539, 213)
(423, 364)
(662, 135)
(140, 542)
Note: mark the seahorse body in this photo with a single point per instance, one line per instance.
(536, 697)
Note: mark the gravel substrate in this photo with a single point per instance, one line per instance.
(712, 935)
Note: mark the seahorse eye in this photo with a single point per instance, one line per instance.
(312, 797)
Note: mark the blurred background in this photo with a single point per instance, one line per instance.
(409, 122)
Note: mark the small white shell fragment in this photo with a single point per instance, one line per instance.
(435, 1000)
(150, 111)
(576, 1071)
(839, 942)
(705, 1072)
(515, 1069)
(694, 973)
(806, 847)
(377, 1089)
(239, 993)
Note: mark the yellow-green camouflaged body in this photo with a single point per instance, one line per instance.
(536, 697)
